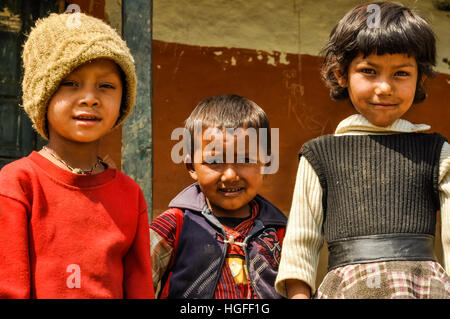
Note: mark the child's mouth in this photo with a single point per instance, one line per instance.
(384, 105)
(231, 191)
(86, 119)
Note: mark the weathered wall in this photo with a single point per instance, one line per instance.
(268, 52)
(289, 26)
(316, 27)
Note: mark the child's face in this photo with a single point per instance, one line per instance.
(228, 187)
(87, 103)
(381, 87)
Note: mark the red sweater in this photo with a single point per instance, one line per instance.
(64, 235)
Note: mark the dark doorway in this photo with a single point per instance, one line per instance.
(17, 138)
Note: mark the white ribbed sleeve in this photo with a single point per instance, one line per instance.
(444, 196)
(304, 238)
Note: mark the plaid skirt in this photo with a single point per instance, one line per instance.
(390, 279)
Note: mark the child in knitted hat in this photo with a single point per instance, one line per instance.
(72, 227)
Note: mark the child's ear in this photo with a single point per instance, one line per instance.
(190, 167)
(422, 80)
(193, 173)
(340, 77)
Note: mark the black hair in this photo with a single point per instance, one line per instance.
(227, 111)
(400, 30)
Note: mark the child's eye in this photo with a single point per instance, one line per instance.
(107, 86)
(247, 160)
(367, 71)
(68, 83)
(402, 73)
(212, 162)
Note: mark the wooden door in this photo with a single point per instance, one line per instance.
(17, 138)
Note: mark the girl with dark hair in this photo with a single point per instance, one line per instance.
(372, 189)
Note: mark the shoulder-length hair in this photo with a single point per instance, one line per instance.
(400, 30)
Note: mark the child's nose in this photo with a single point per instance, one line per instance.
(384, 87)
(89, 97)
(230, 174)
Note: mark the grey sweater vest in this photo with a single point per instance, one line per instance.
(377, 184)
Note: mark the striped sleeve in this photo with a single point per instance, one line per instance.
(304, 238)
(166, 225)
(162, 236)
(444, 196)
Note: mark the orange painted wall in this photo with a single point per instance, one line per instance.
(289, 90)
(292, 95)
(183, 75)
(94, 8)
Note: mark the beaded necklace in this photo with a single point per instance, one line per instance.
(72, 169)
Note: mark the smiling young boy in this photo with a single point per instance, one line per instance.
(72, 227)
(220, 239)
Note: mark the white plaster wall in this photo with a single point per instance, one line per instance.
(252, 24)
(290, 26)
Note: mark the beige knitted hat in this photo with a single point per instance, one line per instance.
(56, 46)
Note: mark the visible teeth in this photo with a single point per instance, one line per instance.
(231, 190)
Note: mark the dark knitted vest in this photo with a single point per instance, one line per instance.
(377, 184)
